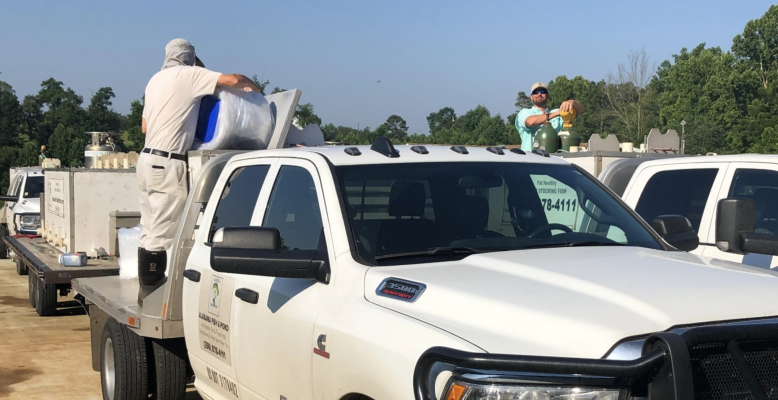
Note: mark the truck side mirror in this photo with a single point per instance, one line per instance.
(735, 220)
(676, 230)
(255, 250)
(10, 199)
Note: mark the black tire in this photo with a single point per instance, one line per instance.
(21, 268)
(3, 246)
(123, 363)
(45, 299)
(32, 282)
(169, 373)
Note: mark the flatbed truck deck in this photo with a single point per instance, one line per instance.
(46, 276)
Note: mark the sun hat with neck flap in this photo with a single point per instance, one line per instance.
(180, 52)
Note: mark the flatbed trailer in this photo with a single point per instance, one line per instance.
(47, 277)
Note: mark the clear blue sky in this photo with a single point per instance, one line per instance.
(427, 55)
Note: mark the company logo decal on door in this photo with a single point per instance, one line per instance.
(214, 316)
(215, 294)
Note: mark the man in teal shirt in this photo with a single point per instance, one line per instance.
(529, 120)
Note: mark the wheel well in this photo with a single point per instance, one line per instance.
(355, 396)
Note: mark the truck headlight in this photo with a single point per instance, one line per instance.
(30, 222)
(460, 390)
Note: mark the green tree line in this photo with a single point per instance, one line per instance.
(727, 98)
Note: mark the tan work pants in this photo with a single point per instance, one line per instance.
(163, 191)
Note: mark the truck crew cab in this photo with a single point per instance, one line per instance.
(434, 272)
(693, 186)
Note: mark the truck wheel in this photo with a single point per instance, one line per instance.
(46, 298)
(3, 246)
(170, 372)
(32, 282)
(21, 268)
(123, 363)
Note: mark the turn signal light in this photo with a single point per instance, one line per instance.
(456, 392)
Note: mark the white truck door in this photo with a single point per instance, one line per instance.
(275, 337)
(209, 300)
(758, 182)
(688, 189)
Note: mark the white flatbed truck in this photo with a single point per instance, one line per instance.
(433, 272)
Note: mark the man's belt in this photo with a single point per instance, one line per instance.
(165, 154)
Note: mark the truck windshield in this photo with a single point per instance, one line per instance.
(438, 211)
(33, 187)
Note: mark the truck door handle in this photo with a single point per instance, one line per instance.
(192, 275)
(247, 295)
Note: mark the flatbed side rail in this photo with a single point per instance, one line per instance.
(124, 313)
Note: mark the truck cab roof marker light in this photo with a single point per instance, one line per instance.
(540, 152)
(419, 149)
(382, 145)
(459, 149)
(496, 150)
(517, 150)
(352, 151)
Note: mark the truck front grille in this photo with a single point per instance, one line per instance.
(717, 375)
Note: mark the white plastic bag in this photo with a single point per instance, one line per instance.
(128, 251)
(244, 122)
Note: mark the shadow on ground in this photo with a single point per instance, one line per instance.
(13, 375)
(14, 301)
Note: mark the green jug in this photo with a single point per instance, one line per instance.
(569, 138)
(547, 139)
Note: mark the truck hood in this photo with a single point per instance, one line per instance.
(31, 205)
(576, 302)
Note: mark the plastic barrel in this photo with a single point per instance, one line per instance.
(206, 118)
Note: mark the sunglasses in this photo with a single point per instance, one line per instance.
(540, 91)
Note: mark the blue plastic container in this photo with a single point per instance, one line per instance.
(206, 118)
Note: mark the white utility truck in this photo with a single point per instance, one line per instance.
(693, 186)
(434, 272)
(21, 211)
(21, 214)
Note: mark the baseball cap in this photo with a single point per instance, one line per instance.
(538, 85)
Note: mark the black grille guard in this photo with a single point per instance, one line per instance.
(664, 371)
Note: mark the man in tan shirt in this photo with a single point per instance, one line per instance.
(172, 102)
